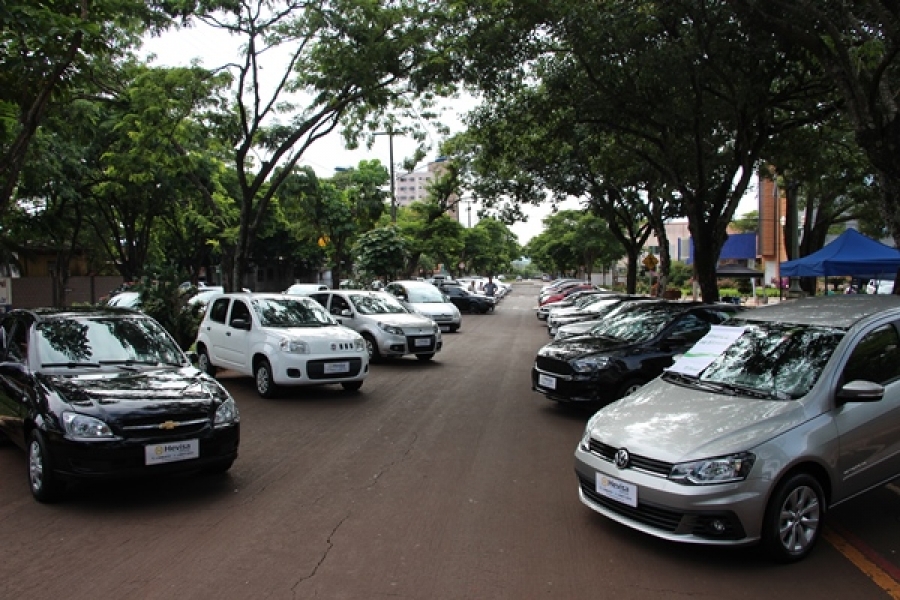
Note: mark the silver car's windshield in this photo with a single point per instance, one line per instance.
(100, 341)
(377, 304)
(425, 295)
(775, 359)
(291, 312)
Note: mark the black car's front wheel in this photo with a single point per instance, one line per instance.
(45, 485)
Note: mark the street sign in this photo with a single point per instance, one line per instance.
(650, 262)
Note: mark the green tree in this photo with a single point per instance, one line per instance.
(52, 51)
(360, 65)
(680, 86)
(855, 45)
(381, 252)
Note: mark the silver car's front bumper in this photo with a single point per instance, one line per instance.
(725, 515)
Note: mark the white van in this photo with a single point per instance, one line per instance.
(305, 289)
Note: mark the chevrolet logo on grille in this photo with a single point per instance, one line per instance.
(168, 425)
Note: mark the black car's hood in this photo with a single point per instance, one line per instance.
(582, 345)
(165, 390)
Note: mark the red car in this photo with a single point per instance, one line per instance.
(566, 292)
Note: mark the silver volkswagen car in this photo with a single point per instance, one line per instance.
(758, 430)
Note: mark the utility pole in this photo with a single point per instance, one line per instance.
(391, 133)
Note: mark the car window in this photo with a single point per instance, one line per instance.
(239, 310)
(781, 359)
(219, 310)
(876, 357)
(320, 298)
(17, 345)
(291, 312)
(691, 327)
(339, 304)
(638, 322)
(427, 294)
(376, 304)
(104, 340)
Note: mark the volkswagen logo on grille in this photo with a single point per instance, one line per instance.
(622, 458)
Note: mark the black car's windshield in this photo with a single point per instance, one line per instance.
(779, 360)
(89, 342)
(637, 322)
(291, 312)
(377, 304)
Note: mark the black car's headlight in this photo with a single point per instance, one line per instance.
(590, 364)
(84, 428)
(710, 471)
(227, 414)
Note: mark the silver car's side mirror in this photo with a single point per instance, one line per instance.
(861, 391)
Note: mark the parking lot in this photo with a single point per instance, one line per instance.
(447, 479)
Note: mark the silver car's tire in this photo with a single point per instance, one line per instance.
(265, 384)
(203, 362)
(794, 518)
(372, 348)
(45, 485)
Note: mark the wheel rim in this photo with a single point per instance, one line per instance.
(36, 466)
(262, 379)
(799, 519)
(203, 362)
(370, 348)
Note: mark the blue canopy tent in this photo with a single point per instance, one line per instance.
(851, 253)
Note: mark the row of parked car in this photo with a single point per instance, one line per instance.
(726, 426)
(105, 392)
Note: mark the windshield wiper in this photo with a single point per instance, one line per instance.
(70, 365)
(130, 364)
(746, 390)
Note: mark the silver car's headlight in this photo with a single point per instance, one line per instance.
(227, 413)
(359, 344)
(294, 346)
(709, 471)
(84, 428)
(435, 328)
(590, 364)
(392, 329)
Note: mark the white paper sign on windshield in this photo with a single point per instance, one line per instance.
(709, 348)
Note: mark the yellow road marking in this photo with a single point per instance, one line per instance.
(881, 578)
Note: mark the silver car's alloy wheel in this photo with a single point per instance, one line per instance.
(799, 521)
(794, 518)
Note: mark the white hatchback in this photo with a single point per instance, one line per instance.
(280, 340)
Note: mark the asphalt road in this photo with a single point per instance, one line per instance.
(441, 480)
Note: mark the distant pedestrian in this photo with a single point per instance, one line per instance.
(490, 288)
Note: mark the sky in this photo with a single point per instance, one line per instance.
(213, 48)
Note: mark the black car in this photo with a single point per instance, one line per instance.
(467, 301)
(625, 352)
(107, 393)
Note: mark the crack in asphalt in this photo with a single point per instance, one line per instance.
(393, 463)
(328, 546)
